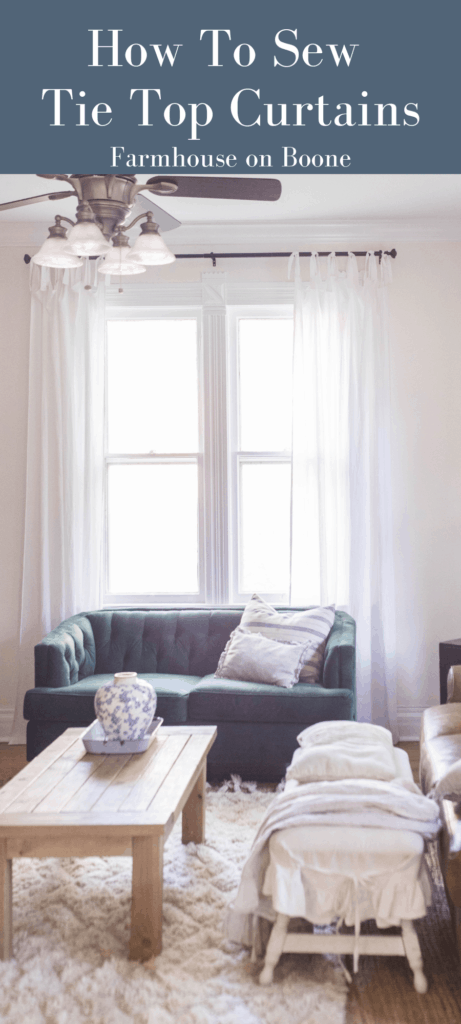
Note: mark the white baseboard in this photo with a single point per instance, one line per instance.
(6, 723)
(409, 722)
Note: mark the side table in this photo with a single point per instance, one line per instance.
(449, 654)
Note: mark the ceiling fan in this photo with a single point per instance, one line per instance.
(104, 202)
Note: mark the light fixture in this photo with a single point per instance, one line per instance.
(149, 248)
(104, 201)
(85, 238)
(53, 252)
(116, 261)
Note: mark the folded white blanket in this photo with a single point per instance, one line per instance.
(398, 804)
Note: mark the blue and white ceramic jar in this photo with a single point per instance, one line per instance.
(125, 707)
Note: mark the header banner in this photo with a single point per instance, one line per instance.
(249, 87)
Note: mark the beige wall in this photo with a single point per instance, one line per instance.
(426, 439)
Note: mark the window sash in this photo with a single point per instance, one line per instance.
(164, 458)
(237, 456)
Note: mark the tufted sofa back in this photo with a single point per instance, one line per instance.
(181, 641)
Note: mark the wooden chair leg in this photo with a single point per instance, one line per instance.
(413, 952)
(274, 949)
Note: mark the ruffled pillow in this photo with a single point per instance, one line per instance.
(330, 732)
(343, 760)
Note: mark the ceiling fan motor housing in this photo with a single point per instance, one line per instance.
(111, 197)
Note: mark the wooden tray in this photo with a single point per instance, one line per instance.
(95, 742)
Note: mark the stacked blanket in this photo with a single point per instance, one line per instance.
(391, 803)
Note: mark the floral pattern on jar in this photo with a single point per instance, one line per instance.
(125, 707)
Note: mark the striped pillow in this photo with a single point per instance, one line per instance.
(312, 625)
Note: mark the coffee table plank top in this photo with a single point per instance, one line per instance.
(65, 787)
(165, 806)
(37, 767)
(139, 796)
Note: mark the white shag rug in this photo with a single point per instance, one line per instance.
(72, 926)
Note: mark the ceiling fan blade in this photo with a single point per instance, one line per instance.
(164, 220)
(259, 189)
(35, 199)
(56, 177)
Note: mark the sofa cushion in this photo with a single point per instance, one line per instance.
(75, 703)
(213, 700)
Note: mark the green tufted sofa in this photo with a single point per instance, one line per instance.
(177, 650)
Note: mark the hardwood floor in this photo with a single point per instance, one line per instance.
(412, 749)
(12, 759)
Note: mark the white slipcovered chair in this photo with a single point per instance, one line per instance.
(323, 872)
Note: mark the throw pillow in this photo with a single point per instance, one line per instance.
(312, 626)
(343, 760)
(254, 658)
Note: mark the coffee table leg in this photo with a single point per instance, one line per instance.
(6, 904)
(193, 813)
(147, 897)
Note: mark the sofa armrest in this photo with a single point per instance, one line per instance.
(67, 654)
(339, 661)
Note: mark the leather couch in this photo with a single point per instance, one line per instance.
(177, 650)
(440, 748)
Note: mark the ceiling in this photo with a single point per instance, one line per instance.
(419, 206)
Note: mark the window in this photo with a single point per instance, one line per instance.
(198, 460)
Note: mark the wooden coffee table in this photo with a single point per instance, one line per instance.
(67, 803)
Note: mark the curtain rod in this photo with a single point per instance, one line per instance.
(264, 255)
(256, 255)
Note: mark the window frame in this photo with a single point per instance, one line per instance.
(218, 458)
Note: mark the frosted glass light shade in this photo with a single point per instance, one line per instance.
(150, 249)
(53, 253)
(86, 239)
(116, 263)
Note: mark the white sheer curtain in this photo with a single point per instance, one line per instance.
(341, 543)
(64, 485)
